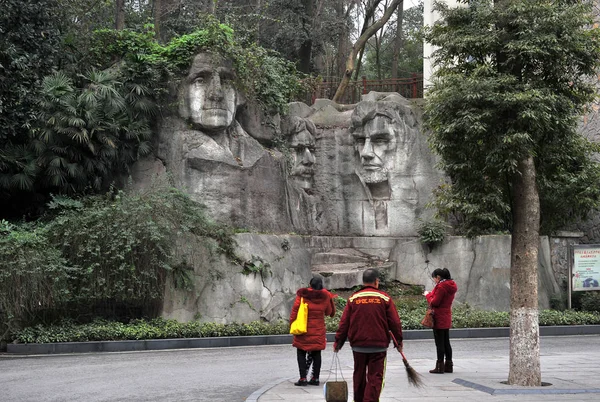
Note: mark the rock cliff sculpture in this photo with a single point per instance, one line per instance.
(374, 173)
(210, 155)
(302, 143)
(303, 206)
(391, 158)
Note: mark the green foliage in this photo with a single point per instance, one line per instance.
(33, 275)
(590, 301)
(112, 250)
(29, 44)
(256, 265)
(263, 75)
(512, 80)
(29, 47)
(159, 328)
(91, 133)
(410, 57)
(432, 232)
(568, 317)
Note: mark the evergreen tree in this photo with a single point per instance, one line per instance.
(512, 81)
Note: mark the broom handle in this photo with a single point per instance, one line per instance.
(396, 344)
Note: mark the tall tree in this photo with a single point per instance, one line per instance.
(397, 39)
(29, 47)
(512, 80)
(305, 51)
(120, 14)
(358, 46)
(343, 16)
(409, 57)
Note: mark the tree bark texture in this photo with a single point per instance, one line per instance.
(120, 15)
(157, 10)
(305, 52)
(398, 39)
(360, 43)
(344, 37)
(524, 365)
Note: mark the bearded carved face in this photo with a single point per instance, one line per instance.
(302, 143)
(210, 98)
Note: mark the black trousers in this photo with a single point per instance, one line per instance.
(442, 343)
(305, 359)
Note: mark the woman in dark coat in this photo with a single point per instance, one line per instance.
(309, 345)
(440, 300)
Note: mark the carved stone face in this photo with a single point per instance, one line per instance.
(302, 143)
(375, 144)
(210, 98)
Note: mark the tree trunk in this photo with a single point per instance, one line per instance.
(305, 51)
(344, 38)
(524, 363)
(360, 43)
(120, 15)
(378, 42)
(398, 39)
(358, 64)
(157, 11)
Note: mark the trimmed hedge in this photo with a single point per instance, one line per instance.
(159, 328)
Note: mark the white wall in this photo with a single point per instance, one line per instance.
(429, 18)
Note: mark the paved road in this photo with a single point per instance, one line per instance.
(226, 374)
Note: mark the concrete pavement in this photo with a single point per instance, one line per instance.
(573, 377)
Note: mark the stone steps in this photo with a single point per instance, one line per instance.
(349, 275)
(340, 258)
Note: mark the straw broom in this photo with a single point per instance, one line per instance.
(414, 378)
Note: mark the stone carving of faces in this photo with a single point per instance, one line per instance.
(302, 143)
(375, 141)
(209, 97)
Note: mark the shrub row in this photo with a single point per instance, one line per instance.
(158, 328)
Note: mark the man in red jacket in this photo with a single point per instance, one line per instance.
(368, 318)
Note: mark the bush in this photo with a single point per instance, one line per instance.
(33, 275)
(159, 328)
(590, 301)
(432, 232)
(106, 255)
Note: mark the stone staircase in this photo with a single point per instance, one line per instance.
(341, 261)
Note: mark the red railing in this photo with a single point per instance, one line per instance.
(408, 87)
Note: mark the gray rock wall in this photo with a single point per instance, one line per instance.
(224, 294)
(480, 266)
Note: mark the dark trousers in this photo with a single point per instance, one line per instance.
(442, 343)
(369, 372)
(305, 359)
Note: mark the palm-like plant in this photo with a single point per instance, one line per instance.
(90, 134)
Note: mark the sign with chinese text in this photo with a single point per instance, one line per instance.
(586, 269)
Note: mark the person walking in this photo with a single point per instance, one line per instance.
(309, 345)
(368, 318)
(440, 300)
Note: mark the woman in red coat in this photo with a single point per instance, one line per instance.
(310, 344)
(440, 300)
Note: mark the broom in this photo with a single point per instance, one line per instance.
(414, 378)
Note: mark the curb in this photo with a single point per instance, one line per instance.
(259, 392)
(259, 340)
